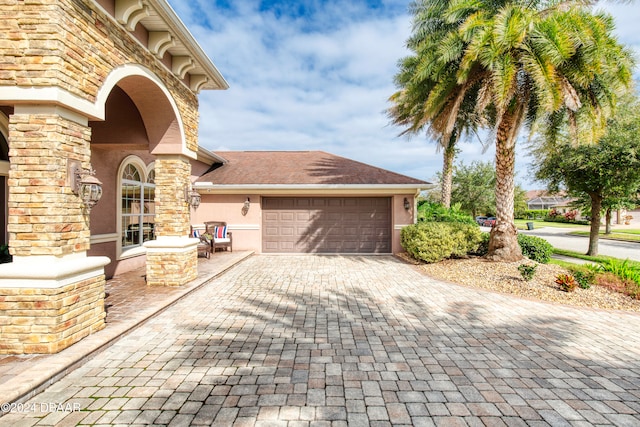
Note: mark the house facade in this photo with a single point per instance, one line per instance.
(306, 202)
(103, 89)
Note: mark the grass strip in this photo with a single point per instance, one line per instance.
(624, 237)
(600, 259)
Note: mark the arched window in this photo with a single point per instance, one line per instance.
(137, 189)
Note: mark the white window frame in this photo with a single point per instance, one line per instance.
(124, 252)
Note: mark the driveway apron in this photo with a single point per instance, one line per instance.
(357, 341)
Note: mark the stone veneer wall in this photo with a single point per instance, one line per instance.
(178, 265)
(173, 173)
(74, 45)
(45, 217)
(49, 320)
(171, 268)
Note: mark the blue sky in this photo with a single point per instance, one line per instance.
(316, 75)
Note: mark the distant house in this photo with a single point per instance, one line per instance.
(541, 199)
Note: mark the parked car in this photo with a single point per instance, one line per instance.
(489, 222)
(480, 219)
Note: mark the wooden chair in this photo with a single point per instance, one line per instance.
(222, 238)
(205, 245)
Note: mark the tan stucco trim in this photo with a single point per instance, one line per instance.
(49, 272)
(325, 190)
(104, 238)
(400, 226)
(48, 95)
(58, 110)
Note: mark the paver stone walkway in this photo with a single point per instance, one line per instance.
(357, 341)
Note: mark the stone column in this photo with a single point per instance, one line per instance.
(52, 294)
(172, 259)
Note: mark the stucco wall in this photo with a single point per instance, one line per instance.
(247, 230)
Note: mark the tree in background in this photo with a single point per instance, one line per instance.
(607, 172)
(411, 110)
(473, 187)
(517, 62)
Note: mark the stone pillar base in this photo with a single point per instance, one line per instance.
(171, 261)
(48, 303)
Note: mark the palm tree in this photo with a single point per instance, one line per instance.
(445, 119)
(523, 63)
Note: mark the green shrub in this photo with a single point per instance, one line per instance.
(531, 213)
(483, 246)
(435, 241)
(565, 220)
(535, 248)
(527, 271)
(622, 269)
(430, 211)
(585, 275)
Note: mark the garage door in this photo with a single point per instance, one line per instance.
(326, 224)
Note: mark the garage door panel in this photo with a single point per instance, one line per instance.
(327, 225)
(301, 203)
(304, 216)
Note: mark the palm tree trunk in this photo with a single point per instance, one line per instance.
(449, 154)
(594, 231)
(607, 221)
(503, 243)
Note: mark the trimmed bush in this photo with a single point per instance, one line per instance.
(531, 214)
(483, 246)
(435, 241)
(429, 211)
(535, 248)
(565, 220)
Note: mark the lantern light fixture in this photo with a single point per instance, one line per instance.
(84, 184)
(192, 197)
(407, 205)
(246, 206)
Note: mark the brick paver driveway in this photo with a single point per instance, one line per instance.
(329, 340)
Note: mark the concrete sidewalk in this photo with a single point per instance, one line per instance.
(129, 303)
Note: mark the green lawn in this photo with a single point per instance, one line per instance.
(595, 259)
(522, 224)
(627, 236)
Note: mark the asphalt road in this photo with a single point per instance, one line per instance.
(560, 239)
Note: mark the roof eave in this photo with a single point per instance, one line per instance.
(181, 31)
(208, 186)
(209, 157)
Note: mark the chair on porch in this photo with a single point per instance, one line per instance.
(221, 237)
(205, 245)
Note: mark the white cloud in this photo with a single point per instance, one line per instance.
(320, 83)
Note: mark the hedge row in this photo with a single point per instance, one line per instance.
(436, 241)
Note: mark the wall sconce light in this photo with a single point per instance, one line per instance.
(246, 206)
(84, 184)
(407, 205)
(192, 197)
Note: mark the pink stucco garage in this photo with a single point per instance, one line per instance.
(305, 202)
(326, 224)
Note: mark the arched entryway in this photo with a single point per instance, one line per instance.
(140, 145)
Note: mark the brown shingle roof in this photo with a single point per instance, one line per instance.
(299, 167)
